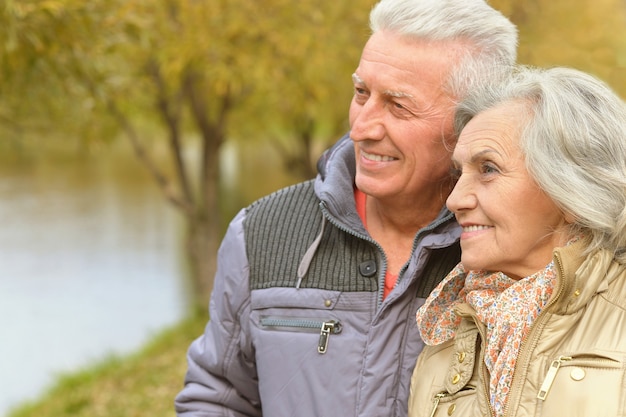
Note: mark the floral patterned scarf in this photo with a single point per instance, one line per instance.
(507, 307)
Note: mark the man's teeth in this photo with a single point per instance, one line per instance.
(377, 158)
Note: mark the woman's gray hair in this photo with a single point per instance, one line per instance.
(491, 38)
(573, 139)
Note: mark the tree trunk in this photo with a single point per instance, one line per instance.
(205, 229)
(202, 243)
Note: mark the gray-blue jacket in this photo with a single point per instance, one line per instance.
(298, 326)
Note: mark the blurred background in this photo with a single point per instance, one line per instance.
(131, 131)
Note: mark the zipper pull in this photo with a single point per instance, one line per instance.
(550, 376)
(436, 400)
(327, 328)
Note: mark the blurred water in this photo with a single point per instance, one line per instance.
(90, 265)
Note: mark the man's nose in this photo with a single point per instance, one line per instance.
(368, 123)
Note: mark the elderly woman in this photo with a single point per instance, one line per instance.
(532, 322)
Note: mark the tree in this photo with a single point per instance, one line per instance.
(585, 34)
(192, 74)
(203, 70)
(315, 80)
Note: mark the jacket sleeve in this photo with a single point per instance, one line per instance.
(221, 378)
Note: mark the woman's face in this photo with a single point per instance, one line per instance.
(509, 224)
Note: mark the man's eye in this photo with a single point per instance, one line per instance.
(455, 173)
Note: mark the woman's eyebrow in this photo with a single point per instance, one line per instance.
(479, 155)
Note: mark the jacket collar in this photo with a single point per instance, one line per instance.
(334, 186)
(581, 277)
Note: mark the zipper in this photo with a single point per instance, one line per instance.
(436, 401)
(550, 376)
(485, 374)
(418, 237)
(381, 277)
(533, 331)
(326, 328)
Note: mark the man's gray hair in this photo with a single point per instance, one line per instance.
(490, 37)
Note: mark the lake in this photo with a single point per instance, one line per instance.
(90, 265)
(90, 259)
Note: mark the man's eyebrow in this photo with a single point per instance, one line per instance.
(390, 93)
(397, 94)
(357, 80)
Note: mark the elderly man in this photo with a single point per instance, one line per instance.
(317, 286)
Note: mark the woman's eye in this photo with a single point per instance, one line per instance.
(488, 168)
(455, 173)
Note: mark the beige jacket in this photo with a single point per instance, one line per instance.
(573, 362)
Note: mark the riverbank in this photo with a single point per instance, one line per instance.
(139, 385)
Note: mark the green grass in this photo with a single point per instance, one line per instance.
(143, 384)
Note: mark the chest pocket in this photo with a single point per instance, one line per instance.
(585, 384)
(317, 324)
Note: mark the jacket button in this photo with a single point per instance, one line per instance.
(577, 374)
(368, 268)
(451, 409)
(456, 378)
(461, 357)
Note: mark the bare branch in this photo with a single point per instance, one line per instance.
(143, 156)
(170, 110)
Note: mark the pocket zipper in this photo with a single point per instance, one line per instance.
(326, 328)
(550, 376)
(436, 399)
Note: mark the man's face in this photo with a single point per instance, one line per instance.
(401, 118)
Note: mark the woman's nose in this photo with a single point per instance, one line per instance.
(462, 196)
